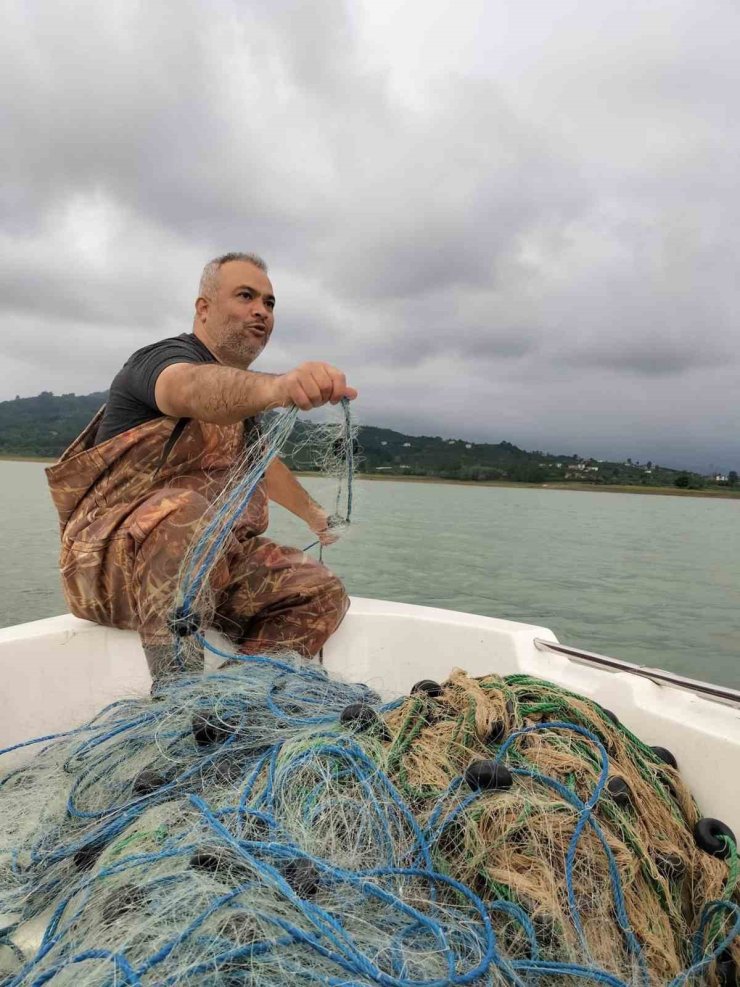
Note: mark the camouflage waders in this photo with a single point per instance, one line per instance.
(127, 519)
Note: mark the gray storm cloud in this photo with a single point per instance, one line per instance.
(502, 222)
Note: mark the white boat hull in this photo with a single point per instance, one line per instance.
(56, 673)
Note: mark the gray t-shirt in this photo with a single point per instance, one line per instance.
(131, 399)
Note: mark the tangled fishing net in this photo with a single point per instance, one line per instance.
(327, 448)
(267, 824)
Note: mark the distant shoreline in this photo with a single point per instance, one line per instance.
(27, 459)
(724, 493)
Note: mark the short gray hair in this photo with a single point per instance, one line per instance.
(209, 277)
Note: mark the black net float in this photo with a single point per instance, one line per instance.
(210, 728)
(148, 781)
(488, 775)
(217, 861)
(665, 756)
(127, 898)
(670, 865)
(207, 860)
(619, 791)
(712, 835)
(227, 771)
(184, 623)
(429, 686)
(86, 856)
(303, 877)
(341, 447)
(358, 716)
(496, 732)
(727, 971)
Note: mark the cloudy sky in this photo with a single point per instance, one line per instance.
(504, 219)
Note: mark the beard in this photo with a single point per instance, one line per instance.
(237, 346)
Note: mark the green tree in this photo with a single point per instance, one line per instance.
(682, 480)
(732, 478)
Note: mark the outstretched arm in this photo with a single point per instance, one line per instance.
(224, 395)
(284, 489)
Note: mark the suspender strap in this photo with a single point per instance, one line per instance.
(179, 427)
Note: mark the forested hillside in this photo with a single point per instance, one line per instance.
(44, 425)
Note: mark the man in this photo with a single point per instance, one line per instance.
(132, 490)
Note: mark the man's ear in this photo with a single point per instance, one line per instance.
(201, 308)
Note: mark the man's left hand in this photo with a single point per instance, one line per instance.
(318, 522)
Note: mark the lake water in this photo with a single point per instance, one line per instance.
(650, 579)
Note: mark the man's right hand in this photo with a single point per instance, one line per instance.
(312, 384)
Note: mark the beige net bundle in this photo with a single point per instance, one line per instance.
(512, 842)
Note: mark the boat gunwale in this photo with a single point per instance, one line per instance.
(707, 690)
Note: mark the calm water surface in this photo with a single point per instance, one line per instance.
(650, 579)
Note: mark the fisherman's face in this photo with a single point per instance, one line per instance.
(238, 320)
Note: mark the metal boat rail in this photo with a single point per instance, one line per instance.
(719, 693)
